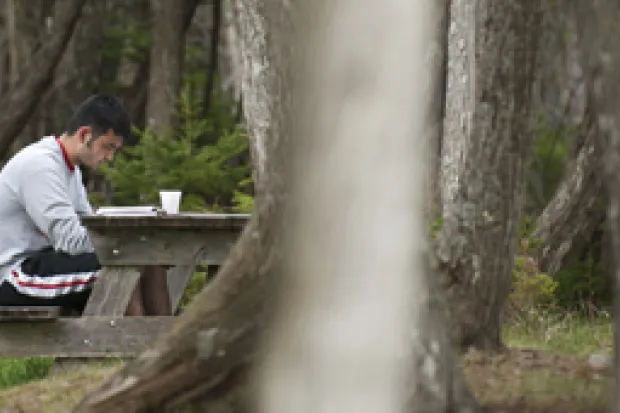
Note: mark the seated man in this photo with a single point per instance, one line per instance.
(46, 257)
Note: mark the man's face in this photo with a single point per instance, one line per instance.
(96, 150)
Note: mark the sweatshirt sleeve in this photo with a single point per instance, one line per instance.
(45, 197)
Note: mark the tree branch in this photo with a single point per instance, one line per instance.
(21, 100)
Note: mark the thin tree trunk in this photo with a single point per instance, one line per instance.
(438, 105)
(214, 52)
(568, 216)
(20, 101)
(23, 32)
(485, 144)
(574, 211)
(166, 62)
(137, 96)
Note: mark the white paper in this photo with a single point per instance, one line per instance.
(127, 210)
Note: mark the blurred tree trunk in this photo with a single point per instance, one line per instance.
(491, 56)
(17, 105)
(600, 34)
(355, 269)
(206, 358)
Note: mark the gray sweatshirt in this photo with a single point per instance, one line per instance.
(41, 199)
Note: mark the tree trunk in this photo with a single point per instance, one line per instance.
(20, 101)
(214, 53)
(568, 216)
(355, 265)
(166, 64)
(574, 211)
(23, 30)
(486, 139)
(206, 357)
(599, 36)
(438, 106)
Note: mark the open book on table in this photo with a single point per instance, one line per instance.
(128, 210)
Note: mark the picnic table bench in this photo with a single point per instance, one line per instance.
(124, 244)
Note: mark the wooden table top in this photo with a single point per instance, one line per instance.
(181, 220)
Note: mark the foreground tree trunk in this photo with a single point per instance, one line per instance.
(486, 139)
(600, 34)
(355, 268)
(21, 100)
(207, 355)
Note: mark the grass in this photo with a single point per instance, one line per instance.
(56, 394)
(14, 372)
(560, 333)
(546, 368)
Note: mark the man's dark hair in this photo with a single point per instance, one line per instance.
(101, 112)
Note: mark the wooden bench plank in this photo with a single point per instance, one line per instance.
(177, 279)
(112, 291)
(30, 314)
(82, 337)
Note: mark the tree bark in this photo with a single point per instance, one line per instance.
(208, 354)
(486, 140)
(23, 31)
(599, 36)
(438, 106)
(137, 95)
(18, 104)
(214, 53)
(568, 216)
(166, 64)
(574, 212)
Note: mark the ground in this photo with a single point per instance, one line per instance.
(519, 381)
(537, 381)
(547, 369)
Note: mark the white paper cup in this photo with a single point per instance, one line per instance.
(170, 201)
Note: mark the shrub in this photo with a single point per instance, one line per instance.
(211, 176)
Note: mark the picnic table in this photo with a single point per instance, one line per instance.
(124, 245)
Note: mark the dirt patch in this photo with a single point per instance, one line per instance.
(534, 381)
(57, 394)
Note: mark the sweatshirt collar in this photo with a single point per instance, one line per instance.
(65, 155)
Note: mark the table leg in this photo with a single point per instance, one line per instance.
(178, 277)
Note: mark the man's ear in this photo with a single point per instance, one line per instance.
(83, 133)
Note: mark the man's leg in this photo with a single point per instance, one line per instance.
(72, 304)
(155, 295)
(51, 278)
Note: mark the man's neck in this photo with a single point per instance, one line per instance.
(69, 143)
